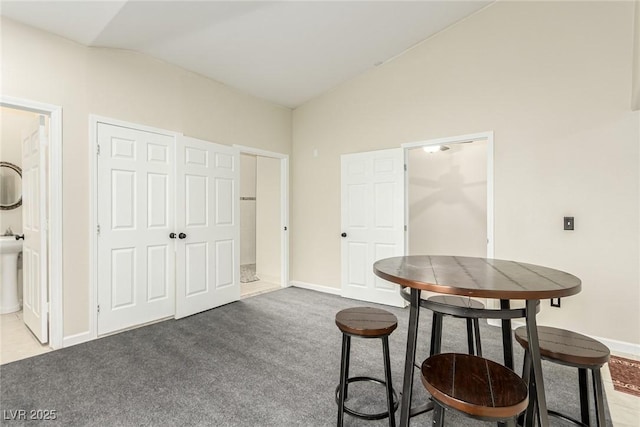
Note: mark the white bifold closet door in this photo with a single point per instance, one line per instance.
(168, 241)
(136, 259)
(208, 226)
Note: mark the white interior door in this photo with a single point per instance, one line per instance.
(34, 226)
(136, 258)
(208, 226)
(372, 222)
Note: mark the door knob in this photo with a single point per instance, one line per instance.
(344, 234)
(172, 235)
(181, 236)
(19, 236)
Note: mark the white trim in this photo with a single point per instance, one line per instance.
(56, 326)
(284, 220)
(490, 198)
(481, 136)
(94, 118)
(93, 224)
(406, 200)
(451, 140)
(617, 347)
(314, 287)
(284, 205)
(621, 348)
(260, 152)
(93, 214)
(76, 339)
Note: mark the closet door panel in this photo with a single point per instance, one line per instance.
(207, 200)
(136, 261)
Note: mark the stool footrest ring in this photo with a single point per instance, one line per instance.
(566, 418)
(361, 415)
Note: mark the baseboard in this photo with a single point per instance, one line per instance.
(80, 338)
(313, 287)
(620, 347)
(616, 347)
(269, 279)
(514, 323)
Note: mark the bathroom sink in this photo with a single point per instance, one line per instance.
(9, 250)
(9, 245)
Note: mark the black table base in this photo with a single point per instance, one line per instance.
(505, 314)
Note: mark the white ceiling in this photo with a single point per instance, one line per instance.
(286, 52)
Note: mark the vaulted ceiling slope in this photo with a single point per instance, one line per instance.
(286, 52)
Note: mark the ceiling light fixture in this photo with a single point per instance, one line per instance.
(434, 148)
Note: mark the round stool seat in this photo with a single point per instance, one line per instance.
(366, 322)
(566, 347)
(456, 301)
(474, 385)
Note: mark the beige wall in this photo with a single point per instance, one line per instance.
(552, 81)
(268, 256)
(130, 87)
(448, 200)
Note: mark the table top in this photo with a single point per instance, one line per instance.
(477, 277)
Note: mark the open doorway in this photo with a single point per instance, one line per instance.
(262, 223)
(449, 201)
(30, 229)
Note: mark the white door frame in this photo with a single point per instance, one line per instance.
(482, 136)
(93, 211)
(284, 205)
(54, 213)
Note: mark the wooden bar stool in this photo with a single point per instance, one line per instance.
(474, 386)
(438, 304)
(575, 350)
(365, 322)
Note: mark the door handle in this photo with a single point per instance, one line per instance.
(19, 236)
(172, 235)
(181, 236)
(344, 234)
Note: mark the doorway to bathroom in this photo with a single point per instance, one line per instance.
(31, 142)
(263, 221)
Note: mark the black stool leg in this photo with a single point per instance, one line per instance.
(438, 415)
(387, 378)
(584, 396)
(476, 327)
(597, 391)
(470, 336)
(436, 334)
(346, 348)
(507, 343)
(346, 370)
(530, 413)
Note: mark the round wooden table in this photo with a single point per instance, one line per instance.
(483, 278)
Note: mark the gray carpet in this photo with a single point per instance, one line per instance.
(270, 360)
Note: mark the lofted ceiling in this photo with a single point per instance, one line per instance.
(286, 52)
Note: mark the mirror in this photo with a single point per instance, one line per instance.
(10, 186)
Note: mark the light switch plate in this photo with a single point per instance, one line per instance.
(568, 223)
